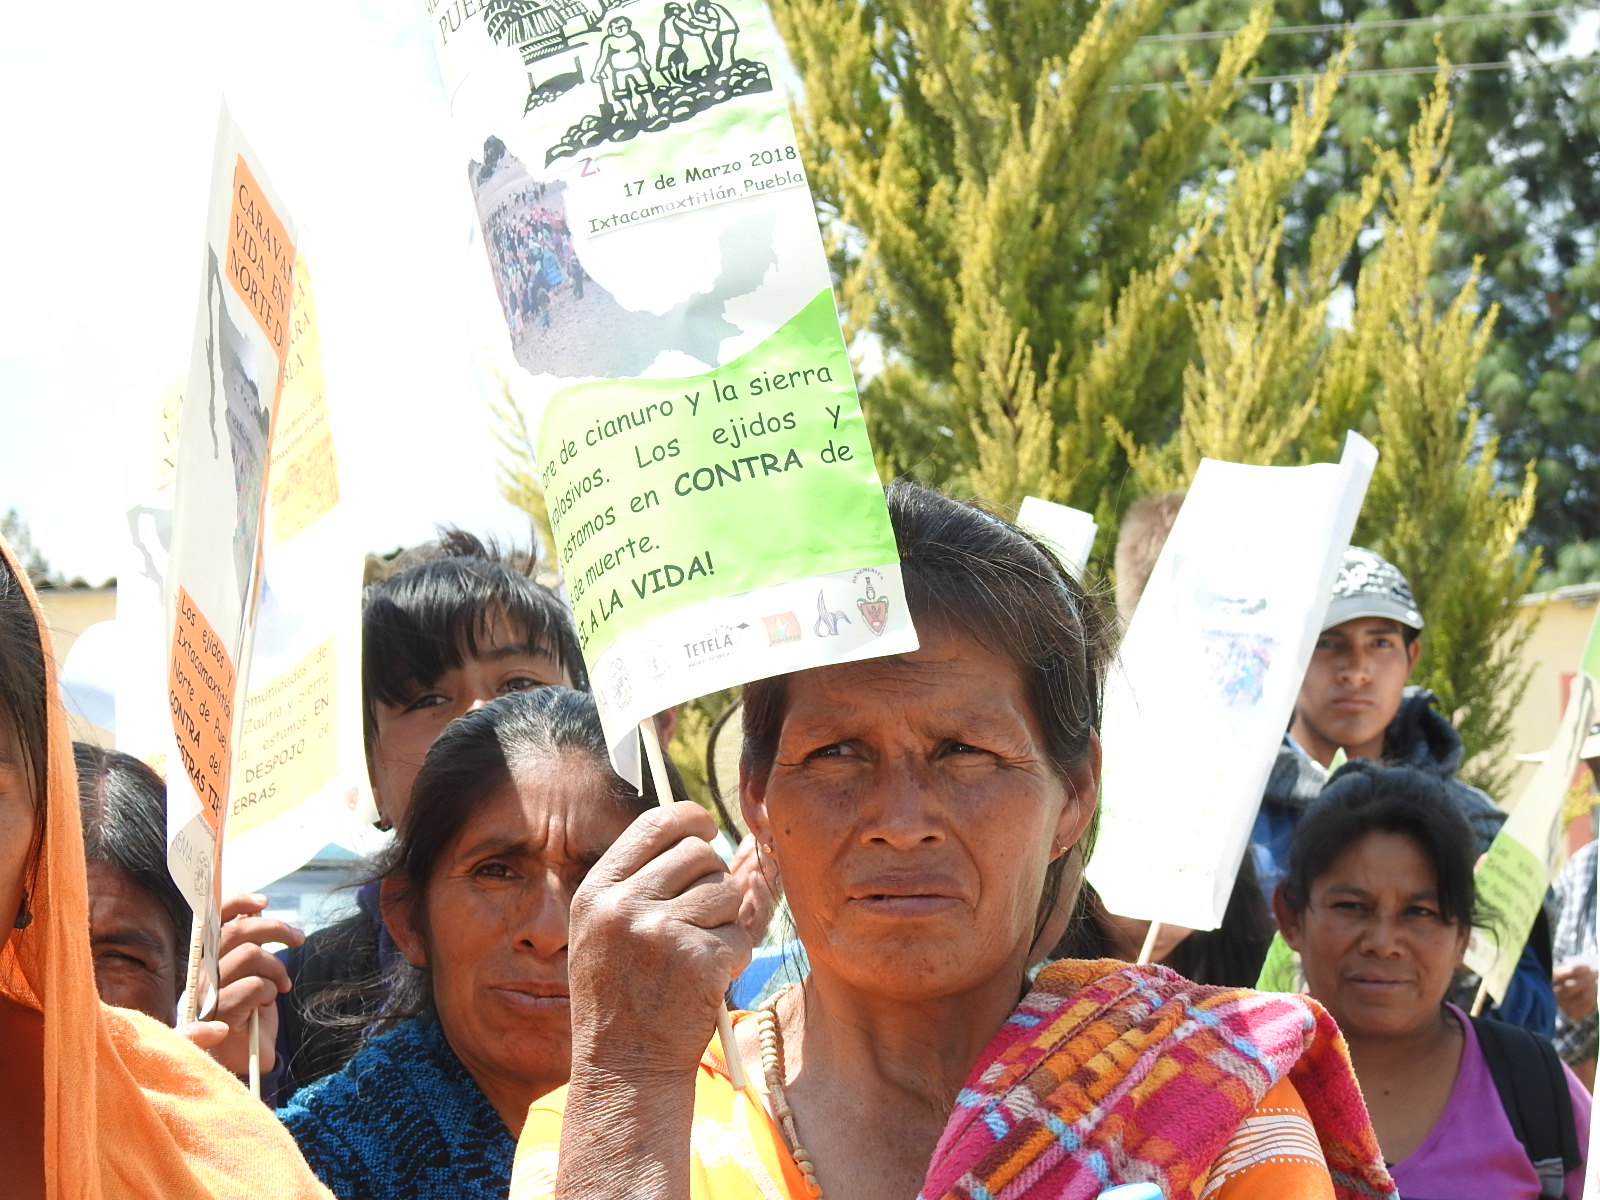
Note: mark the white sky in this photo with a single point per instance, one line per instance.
(107, 148)
(106, 151)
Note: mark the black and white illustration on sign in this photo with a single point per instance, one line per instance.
(561, 320)
(644, 70)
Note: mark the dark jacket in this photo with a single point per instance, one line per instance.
(1420, 737)
(336, 975)
(1417, 737)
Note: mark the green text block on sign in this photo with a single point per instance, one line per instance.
(667, 492)
(1510, 885)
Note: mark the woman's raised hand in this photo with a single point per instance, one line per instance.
(252, 977)
(655, 941)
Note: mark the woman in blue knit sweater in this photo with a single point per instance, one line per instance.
(515, 802)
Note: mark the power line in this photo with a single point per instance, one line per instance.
(1374, 72)
(1208, 35)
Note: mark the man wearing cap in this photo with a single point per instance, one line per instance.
(1355, 699)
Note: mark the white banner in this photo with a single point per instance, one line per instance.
(655, 251)
(300, 779)
(1068, 531)
(1206, 680)
(236, 372)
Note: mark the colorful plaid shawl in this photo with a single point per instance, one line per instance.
(1108, 1073)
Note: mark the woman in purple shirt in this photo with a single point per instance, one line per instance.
(1379, 902)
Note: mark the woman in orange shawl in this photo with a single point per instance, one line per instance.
(96, 1103)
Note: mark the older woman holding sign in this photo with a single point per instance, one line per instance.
(931, 813)
(94, 1101)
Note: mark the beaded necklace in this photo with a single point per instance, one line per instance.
(770, 1038)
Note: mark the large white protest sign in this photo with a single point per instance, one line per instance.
(219, 491)
(655, 250)
(1514, 875)
(1207, 675)
(299, 779)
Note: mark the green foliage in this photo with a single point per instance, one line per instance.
(1253, 392)
(689, 744)
(1435, 508)
(1577, 562)
(1522, 200)
(29, 557)
(1088, 264)
(992, 207)
(519, 479)
(1083, 284)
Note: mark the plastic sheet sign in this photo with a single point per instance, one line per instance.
(1069, 532)
(1514, 875)
(1207, 677)
(299, 779)
(220, 476)
(654, 247)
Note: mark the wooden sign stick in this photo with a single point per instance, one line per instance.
(1149, 942)
(658, 774)
(255, 1053)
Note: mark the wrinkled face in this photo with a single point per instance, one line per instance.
(18, 812)
(497, 914)
(1352, 688)
(134, 945)
(405, 731)
(1374, 948)
(913, 811)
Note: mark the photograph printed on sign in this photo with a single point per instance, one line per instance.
(562, 321)
(606, 149)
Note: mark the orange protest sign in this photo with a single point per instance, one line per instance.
(260, 257)
(200, 690)
(303, 484)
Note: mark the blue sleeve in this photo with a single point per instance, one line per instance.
(278, 1085)
(318, 1118)
(1530, 999)
(1269, 847)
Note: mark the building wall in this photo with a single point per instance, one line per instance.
(1563, 618)
(68, 612)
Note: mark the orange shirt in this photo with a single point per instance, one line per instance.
(737, 1151)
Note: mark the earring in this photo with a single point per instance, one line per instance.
(765, 848)
(24, 913)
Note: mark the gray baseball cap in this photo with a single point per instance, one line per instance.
(1370, 586)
